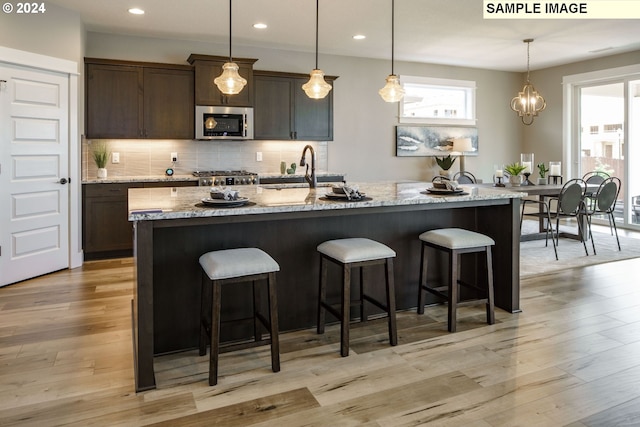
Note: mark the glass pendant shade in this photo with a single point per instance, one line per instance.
(316, 87)
(392, 90)
(230, 82)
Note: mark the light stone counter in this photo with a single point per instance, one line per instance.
(178, 203)
(149, 178)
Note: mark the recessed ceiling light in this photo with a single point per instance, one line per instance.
(260, 26)
(359, 37)
(136, 11)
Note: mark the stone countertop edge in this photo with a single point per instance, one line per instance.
(150, 178)
(148, 204)
(177, 178)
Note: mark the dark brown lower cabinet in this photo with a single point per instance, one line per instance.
(106, 230)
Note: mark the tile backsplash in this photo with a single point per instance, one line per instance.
(152, 157)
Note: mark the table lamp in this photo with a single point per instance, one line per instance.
(461, 145)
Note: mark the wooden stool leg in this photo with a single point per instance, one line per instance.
(391, 301)
(273, 323)
(215, 333)
(490, 301)
(363, 317)
(423, 279)
(204, 307)
(346, 310)
(453, 290)
(322, 290)
(256, 309)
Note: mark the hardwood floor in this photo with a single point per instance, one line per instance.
(571, 358)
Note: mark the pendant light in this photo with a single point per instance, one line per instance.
(392, 90)
(316, 87)
(230, 82)
(529, 102)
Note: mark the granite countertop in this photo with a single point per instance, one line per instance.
(185, 202)
(149, 178)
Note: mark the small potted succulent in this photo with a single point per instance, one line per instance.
(100, 154)
(542, 171)
(514, 170)
(445, 164)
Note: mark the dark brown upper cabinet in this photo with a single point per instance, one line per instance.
(207, 68)
(138, 100)
(283, 111)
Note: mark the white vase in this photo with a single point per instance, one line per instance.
(445, 173)
(515, 181)
(542, 181)
(102, 172)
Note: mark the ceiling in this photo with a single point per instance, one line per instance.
(451, 32)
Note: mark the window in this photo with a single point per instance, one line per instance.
(594, 130)
(612, 128)
(438, 101)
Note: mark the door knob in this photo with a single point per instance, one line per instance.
(63, 181)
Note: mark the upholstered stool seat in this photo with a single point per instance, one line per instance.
(229, 266)
(350, 253)
(456, 241)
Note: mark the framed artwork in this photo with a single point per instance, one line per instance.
(432, 140)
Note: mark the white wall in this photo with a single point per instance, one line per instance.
(364, 125)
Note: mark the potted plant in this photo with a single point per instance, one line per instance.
(514, 170)
(445, 164)
(100, 153)
(542, 171)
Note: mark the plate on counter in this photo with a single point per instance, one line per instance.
(222, 203)
(444, 191)
(429, 192)
(331, 197)
(341, 196)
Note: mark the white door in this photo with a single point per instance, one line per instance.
(34, 195)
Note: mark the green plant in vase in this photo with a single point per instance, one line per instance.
(445, 164)
(514, 170)
(542, 171)
(100, 154)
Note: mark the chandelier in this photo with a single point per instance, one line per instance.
(529, 102)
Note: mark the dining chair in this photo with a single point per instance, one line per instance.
(568, 204)
(464, 177)
(595, 177)
(603, 202)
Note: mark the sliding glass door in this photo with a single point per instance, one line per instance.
(609, 140)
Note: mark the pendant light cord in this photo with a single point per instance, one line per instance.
(528, 43)
(393, 8)
(317, 21)
(230, 56)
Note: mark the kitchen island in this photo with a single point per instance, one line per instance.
(173, 228)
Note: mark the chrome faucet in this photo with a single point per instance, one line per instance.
(311, 179)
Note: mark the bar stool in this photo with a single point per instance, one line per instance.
(230, 266)
(350, 253)
(456, 241)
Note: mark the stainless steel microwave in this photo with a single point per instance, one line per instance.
(224, 122)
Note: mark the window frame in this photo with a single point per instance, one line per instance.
(469, 86)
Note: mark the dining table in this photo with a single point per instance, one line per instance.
(542, 192)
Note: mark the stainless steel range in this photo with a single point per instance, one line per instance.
(237, 177)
